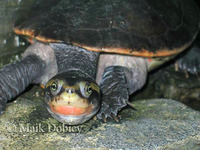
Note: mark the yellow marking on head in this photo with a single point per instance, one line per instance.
(95, 87)
(70, 100)
(50, 82)
(42, 86)
(75, 87)
(72, 96)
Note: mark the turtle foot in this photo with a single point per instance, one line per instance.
(114, 93)
(190, 62)
(110, 110)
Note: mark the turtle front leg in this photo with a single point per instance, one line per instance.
(35, 67)
(117, 84)
(14, 78)
(115, 92)
(190, 61)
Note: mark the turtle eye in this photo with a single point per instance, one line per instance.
(55, 88)
(86, 89)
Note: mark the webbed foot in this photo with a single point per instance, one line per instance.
(190, 62)
(114, 93)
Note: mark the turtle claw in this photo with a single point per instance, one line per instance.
(186, 74)
(131, 105)
(94, 118)
(119, 116)
(104, 118)
(176, 67)
(197, 75)
(110, 110)
(114, 117)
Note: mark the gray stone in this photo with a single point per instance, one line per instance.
(170, 84)
(156, 124)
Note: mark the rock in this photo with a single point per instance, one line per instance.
(170, 84)
(156, 124)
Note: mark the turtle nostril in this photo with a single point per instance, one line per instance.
(70, 91)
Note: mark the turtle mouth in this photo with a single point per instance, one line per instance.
(71, 109)
(70, 104)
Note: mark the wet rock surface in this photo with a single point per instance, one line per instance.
(171, 84)
(156, 124)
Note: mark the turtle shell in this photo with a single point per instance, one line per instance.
(147, 28)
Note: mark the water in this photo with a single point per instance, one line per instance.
(11, 45)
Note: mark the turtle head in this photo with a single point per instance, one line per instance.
(72, 97)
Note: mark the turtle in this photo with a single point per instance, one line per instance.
(90, 56)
